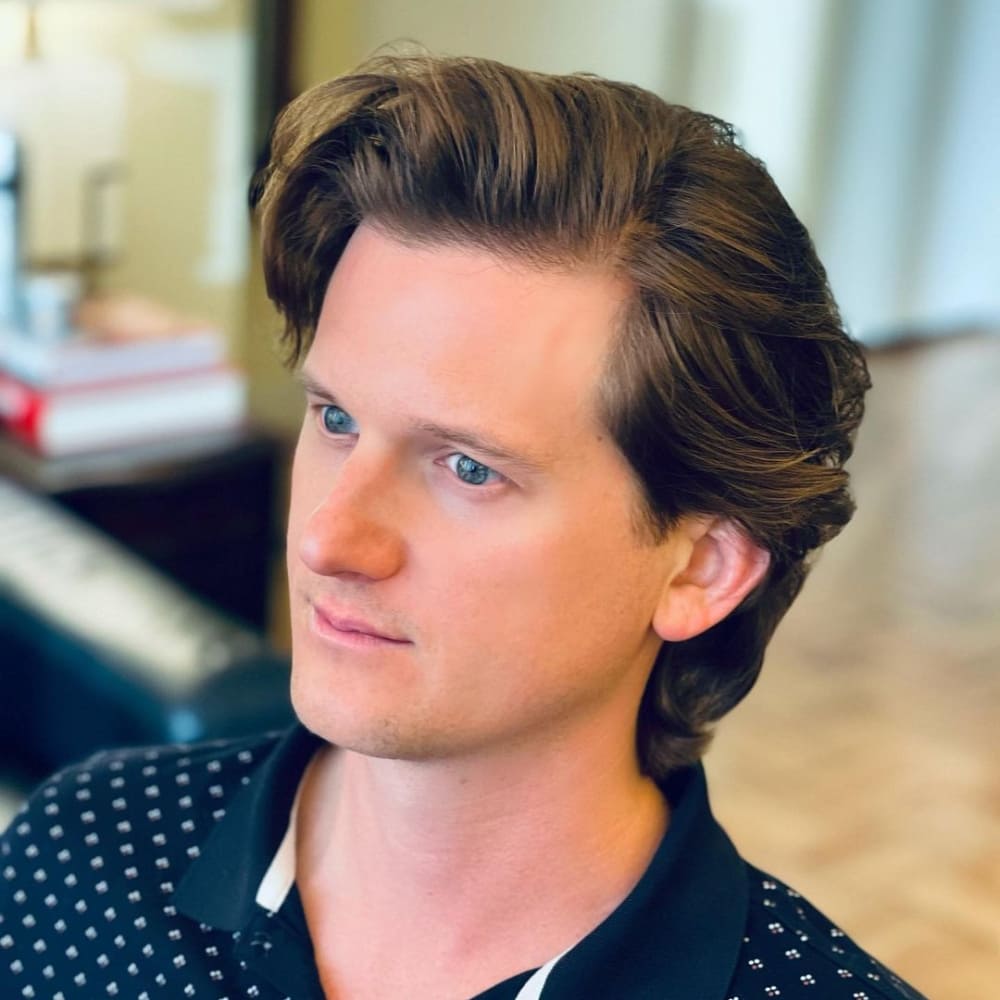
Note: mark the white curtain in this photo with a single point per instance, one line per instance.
(880, 119)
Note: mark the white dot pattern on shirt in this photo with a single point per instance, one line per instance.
(104, 927)
(87, 870)
(810, 967)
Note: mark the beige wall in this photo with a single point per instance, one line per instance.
(628, 39)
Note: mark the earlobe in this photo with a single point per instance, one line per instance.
(723, 566)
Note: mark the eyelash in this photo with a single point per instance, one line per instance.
(498, 477)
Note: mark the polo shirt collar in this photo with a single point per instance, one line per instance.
(677, 935)
(220, 887)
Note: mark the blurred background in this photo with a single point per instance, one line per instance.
(148, 423)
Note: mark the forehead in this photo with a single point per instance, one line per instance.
(446, 330)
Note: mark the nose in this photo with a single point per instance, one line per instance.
(353, 532)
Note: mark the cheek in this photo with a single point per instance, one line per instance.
(541, 585)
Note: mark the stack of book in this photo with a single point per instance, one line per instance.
(130, 374)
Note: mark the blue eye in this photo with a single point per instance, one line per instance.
(470, 471)
(338, 421)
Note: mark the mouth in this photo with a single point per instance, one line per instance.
(343, 629)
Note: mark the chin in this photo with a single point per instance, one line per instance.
(361, 729)
(381, 735)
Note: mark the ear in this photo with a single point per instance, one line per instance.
(723, 566)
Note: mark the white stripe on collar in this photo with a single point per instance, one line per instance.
(532, 989)
(280, 875)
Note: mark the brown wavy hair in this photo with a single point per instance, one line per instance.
(732, 389)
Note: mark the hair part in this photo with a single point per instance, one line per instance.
(732, 389)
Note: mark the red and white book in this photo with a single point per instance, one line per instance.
(73, 420)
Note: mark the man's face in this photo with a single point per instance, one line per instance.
(463, 565)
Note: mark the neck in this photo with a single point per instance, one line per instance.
(477, 852)
(446, 812)
(467, 871)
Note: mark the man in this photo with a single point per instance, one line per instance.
(578, 403)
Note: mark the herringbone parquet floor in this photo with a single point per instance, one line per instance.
(865, 767)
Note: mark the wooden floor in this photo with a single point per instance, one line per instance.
(865, 767)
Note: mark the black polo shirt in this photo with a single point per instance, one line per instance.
(168, 873)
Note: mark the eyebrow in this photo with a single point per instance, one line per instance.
(479, 443)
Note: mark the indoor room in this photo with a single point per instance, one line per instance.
(149, 409)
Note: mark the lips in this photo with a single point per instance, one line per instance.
(336, 623)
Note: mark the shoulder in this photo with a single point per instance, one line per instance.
(790, 949)
(146, 785)
(96, 851)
